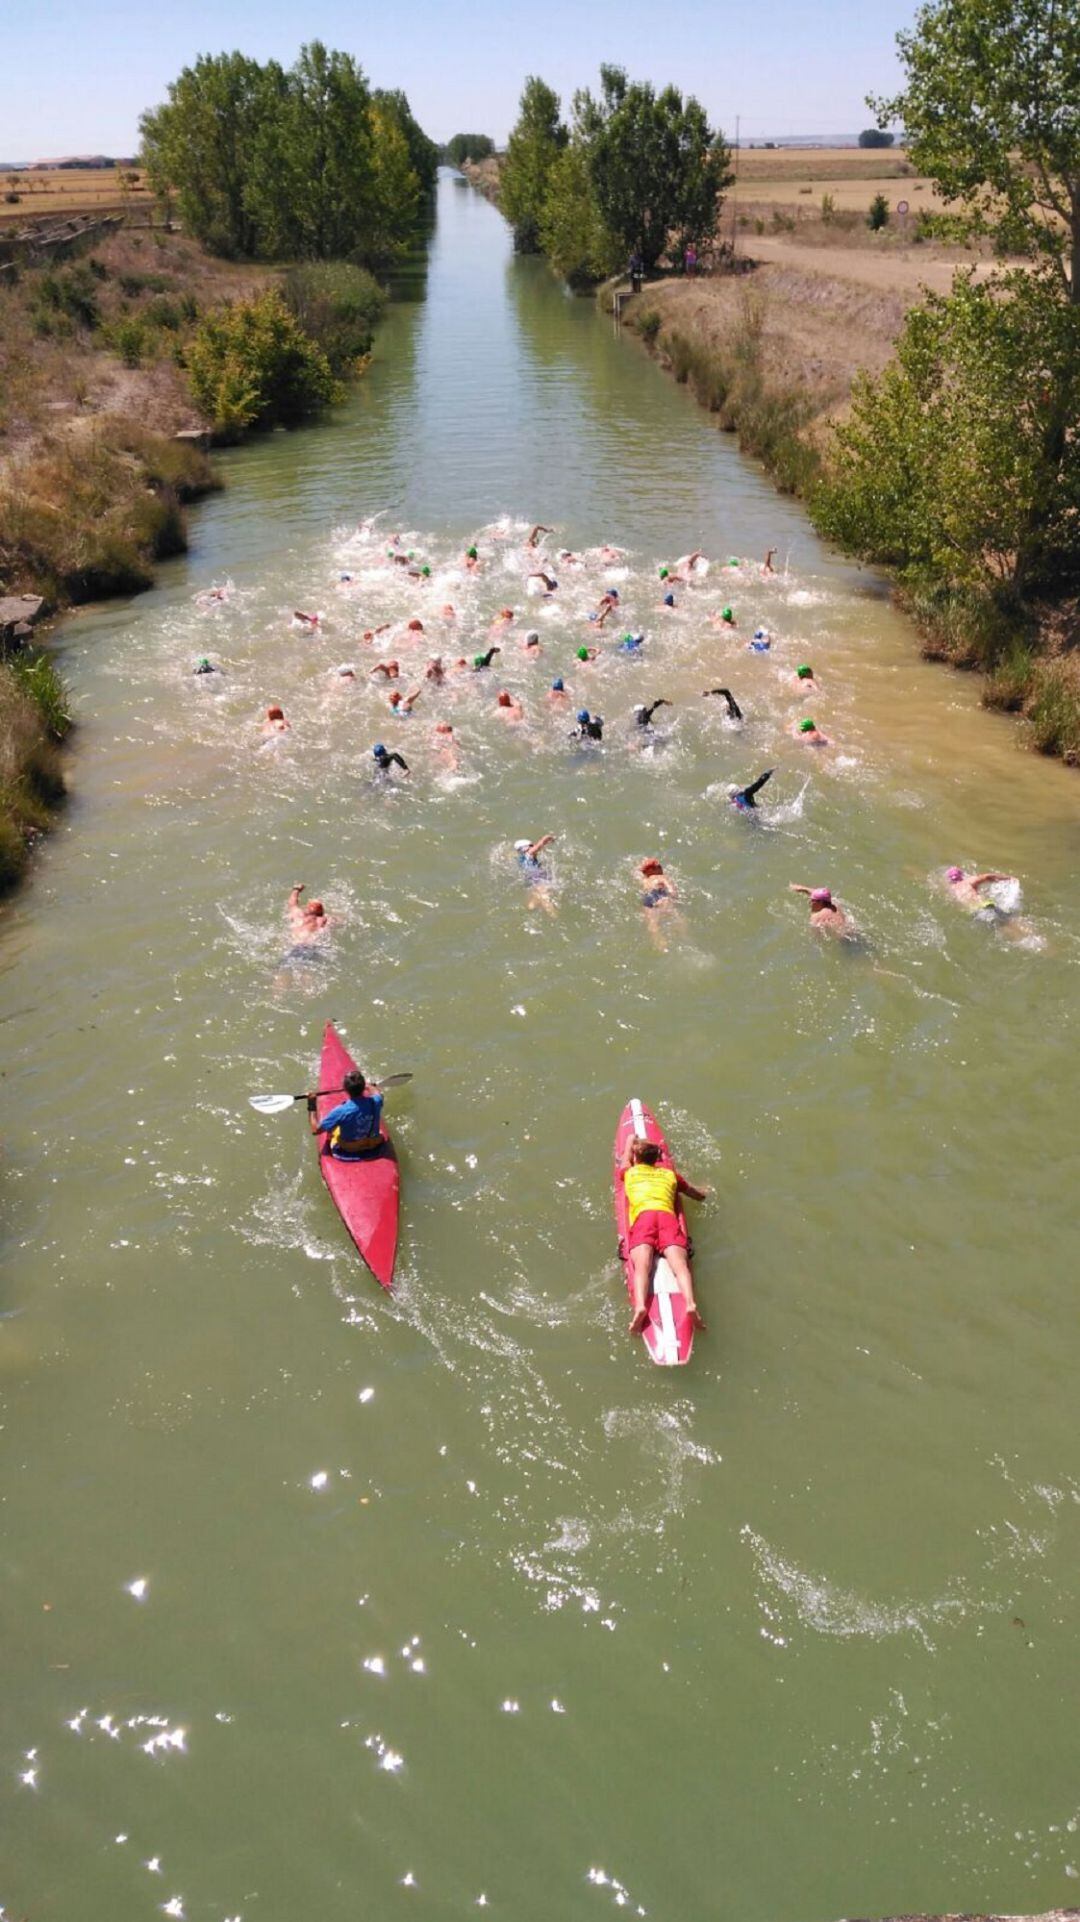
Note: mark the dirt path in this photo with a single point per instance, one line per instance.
(885, 273)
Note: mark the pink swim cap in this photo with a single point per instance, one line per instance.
(954, 874)
(821, 897)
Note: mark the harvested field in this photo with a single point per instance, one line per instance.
(56, 191)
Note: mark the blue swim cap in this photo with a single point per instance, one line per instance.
(378, 749)
(557, 686)
(583, 714)
(669, 600)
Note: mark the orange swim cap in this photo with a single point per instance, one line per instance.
(275, 714)
(314, 908)
(505, 699)
(652, 865)
(416, 627)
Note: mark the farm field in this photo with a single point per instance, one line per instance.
(57, 191)
(799, 177)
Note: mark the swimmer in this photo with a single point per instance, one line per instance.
(420, 573)
(484, 660)
(734, 711)
(557, 695)
(390, 669)
(761, 641)
(470, 561)
(744, 799)
(310, 621)
(535, 533)
(767, 564)
(656, 1226)
(213, 596)
(205, 666)
(804, 677)
(672, 576)
(643, 715)
(346, 672)
(809, 734)
(531, 643)
(445, 745)
(502, 620)
(510, 708)
(275, 722)
(385, 760)
(308, 920)
(590, 727)
(825, 916)
(403, 704)
(534, 874)
(609, 555)
(658, 895)
(447, 613)
(964, 889)
(725, 618)
(630, 643)
(370, 632)
(567, 558)
(668, 600)
(605, 606)
(587, 653)
(549, 583)
(435, 671)
(414, 627)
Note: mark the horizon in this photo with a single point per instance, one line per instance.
(470, 80)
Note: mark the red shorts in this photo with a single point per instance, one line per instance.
(656, 1228)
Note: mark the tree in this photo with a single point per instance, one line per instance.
(251, 365)
(538, 138)
(657, 168)
(990, 109)
(572, 234)
(395, 190)
(943, 467)
(199, 143)
(878, 216)
(469, 146)
(423, 153)
(876, 137)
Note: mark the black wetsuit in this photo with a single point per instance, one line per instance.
(386, 760)
(733, 708)
(644, 716)
(744, 797)
(591, 730)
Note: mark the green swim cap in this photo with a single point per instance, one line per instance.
(205, 661)
(805, 673)
(806, 727)
(663, 573)
(734, 561)
(726, 614)
(583, 654)
(470, 554)
(425, 570)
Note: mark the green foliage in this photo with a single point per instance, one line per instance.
(989, 106)
(129, 338)
(648, 323)
(538, 138)
(828, 209)
(251, 365)
(70, 292)
(572, 234)
(657, 168)
(878, 215)
(338, 305)
(302, 163)
(960, 463)
(36, 675)
(876, 137)
(469, 146)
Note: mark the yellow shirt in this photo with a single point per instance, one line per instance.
(648, 1188)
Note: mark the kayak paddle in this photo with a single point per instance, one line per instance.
(277, 1103)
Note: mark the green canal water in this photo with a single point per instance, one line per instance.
(322, 1603)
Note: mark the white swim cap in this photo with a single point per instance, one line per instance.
(346, 667)
(532, 635)
(520, 846)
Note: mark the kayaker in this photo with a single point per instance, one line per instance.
(385, 760)
(744, 799)
(643, 715)
(655, 1227)
(826, 917)
(733, 709)
(354, 1126)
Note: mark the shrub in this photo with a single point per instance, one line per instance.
(339, 305)
(252, 365)
(70, 292)
(874, 137)
(828, 209)
(648, 324)
(878, 216)
(31, 782)
(128, 338)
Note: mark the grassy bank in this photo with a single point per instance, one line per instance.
(33, 722)
(772, 355)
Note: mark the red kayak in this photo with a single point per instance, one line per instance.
(668, 1334)
(367, 1191)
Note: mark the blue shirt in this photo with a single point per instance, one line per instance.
(358, 1120)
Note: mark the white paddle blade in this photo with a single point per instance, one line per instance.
(270, 1103)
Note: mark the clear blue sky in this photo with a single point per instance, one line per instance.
(78, 76)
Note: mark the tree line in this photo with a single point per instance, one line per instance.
(633, 172)
(305, 163)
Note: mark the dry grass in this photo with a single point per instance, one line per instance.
(59, 191)
(31, 780)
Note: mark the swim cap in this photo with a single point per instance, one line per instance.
(954, 874)
(415, 627)
(344, 577)
(478, 660)
(532, 635)
(734, 561)
(443, 727)
(726, 614)
(314, 907)
(583, 714)
(395, 697)
(346, 671)
(821, 897)
(410, 556)
(761, 633)
(205, 662)
(639, 707)
(669, 600)
(520, 846)
(275, 714)
(663, 573)
(425, 570)
(805, 673)
(557, 686)
(806, 727)
(614, 593)
(470, 554)
(505, 700)
(583, 654)
(652, 866)
(378, 750)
